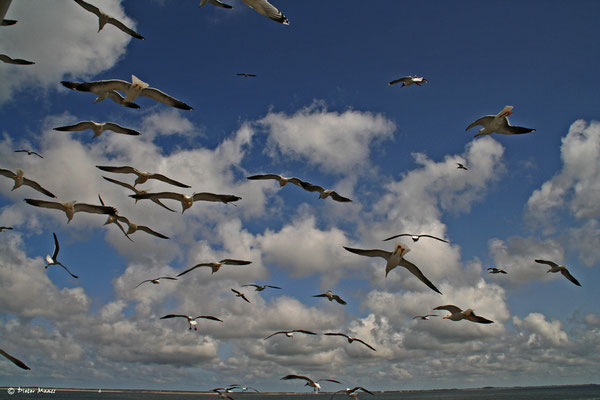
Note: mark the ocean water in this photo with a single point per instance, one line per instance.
(527, 393)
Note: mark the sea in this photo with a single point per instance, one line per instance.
(525, 393)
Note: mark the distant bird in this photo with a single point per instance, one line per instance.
(350, 339)
(394, 259)
(279, 178)
(136, 191)
(425, 317)
(222, 395)
(4, 228)
(132, 228)
(72, 207)
(102, 94)
(217, 3)
(215, 266)
(265, 8)
(187, 201)
(113, 219)
(260, 288)
(53, 260)
(495, 270)
(324, 193)
(498, 123)
(415, 238)
(104, 19)
(20, 180)
(15, 61)
(132, 90)
(330, 296)
(29, 153)
(156, 281)
(191, 320)
(409, 80)
(461, 166)
(290, 334)
(554, 267)
(240, 294)
(456, 314)
(353, 393)
(14, 360)
(309, 382)
(98, 128)
(245, 75)
(142, 177)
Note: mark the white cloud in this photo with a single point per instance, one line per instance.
(542, 330)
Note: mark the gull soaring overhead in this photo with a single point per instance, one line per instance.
(104, 19)
(415, 238)
(156, 281)
(240, 294)
(142, 177)
(246, 75)
(97, 127)
(554, 267)
(6, 228)
(191, 320)
(409, 80)
(20, 180)
(456, 314)
(495, 270)
(279, 178)
(29, 152)
(330, 296)
(350, 339)
(53, 260)
(101, 94)
(324, 193)
(290, 334)
(461, 166)
(215, 266)
(72, 207)
(132, 228)
(136, 191)
(187, 201)
(353, 393)
(309, 382)
(498, 123)
(425, 317)
(265, 8)
(260, 288)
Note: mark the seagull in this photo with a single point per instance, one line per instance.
(20, 180)
(260, 288)
(409, 80)
(142, 177)
(554, 267)
(281, 179)
(425, 317)
(245, 75)
(461, 166)
(352, 392)
(132, 90)
(136, 191)
(394, 259)
(223, 395)
(457, 314)
(324, 193)
(132, 228)
(187, 201)
(4, 228)
(309, 382)
(53, 260)
(104, 19)
(29, 153)
(111, 94)
(290, 334)
(191, 320)
(14, 360)
(350, 339)
(15, 61)
(330, 296)
(215, 266)
(498, 123)
(495, 270)
(98, 128)
(156, 281)
(415, 238)
(240, 294)
(268, 10)
(214, 2)
(72, 207)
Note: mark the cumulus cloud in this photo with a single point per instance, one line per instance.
(542, 331)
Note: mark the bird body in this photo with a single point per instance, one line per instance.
(20, 180)
(265, 8)
(97, 127)
(456, 314)
(53, 260)
(101, 94)
(498, 123)
(554, 267)
(216, 265)
(330, 296)
(104, 19)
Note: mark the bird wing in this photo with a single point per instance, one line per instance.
(230, 261)
(434, 237)
(167, 277)
(209, 317)
(124, 28)
(70, 85)
(417, 272)
(335, 196)
(56, 247)
(403, 79)
(304, 331)
(80, 126)
(273, 334)
(252, 284)
(242, 295)
(508, 129)
(17, 61)
(481, 121)
(164, 98)
(104, 86)
(193, 268)
(45, 204)
(38, 187)
(395, 236)
(224, 198)
(273, 287)
(150, 231)
(168, 180)
(268, 10)
(124, 184)
(292, 376)
(159, 195)
(147, 280)
(568, 275)
(214, 2)
(7, 173)
(89, 7)
(120, 129)
(175, 316)
(370, 253)
(339, 299)
(336, 334)
(265, 176)
(66, 269)
(90, 208)
(310, 187)
(117, 98)
(14, 360)
(119, 170)
(450, 308)
(329, 380)
(550, 263)
(365, 343)
(471, 316)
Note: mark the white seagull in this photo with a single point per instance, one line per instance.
(498, 123)
(409, 80)
(309, 382)
(330, 296)
(191, 320)
(142, 177)
(265, 8)
(215, 266)
(279, 178)
(187, 201)
(136, 191)
(53, 260)
(97, 127)
(72, 207)
(554, 267)
(425, 317)
(156, 281)
(104, 19)
(456, 314)
(260, 288)
(350, 339)
(352, 392)
(324, 193)
(415, 238)
(290, 334)
(20, 180)
(111, 94)
(394, 259)
(14, 360)
(240, 294)
(16, 61)
(132, 228)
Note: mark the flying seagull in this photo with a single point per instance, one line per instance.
(265, 8)
(113, 219)
(187, 201)
(72, 207)
(425, 317)
(554, 267)
(309, 382)
(415, 238)
(20, 180)
(132, 228)
(240, 294)
(394, 259)
(290, 334)
(409, 80)
(456, 314)
(191, 320)
(215, 266)
(260, 288)
(53, 260)
(15, 61)
(136, 191)
(111, 94)
(330, 296)
(495, 270)
(132, 90)
(156, 281)
(104, 19)
(498, 123)
(98, 128)
(217, 3)
(29, 153)
(5, 228)
(14, 360)
(324, 193)
(350, 339)
(353, 393)
(142, 177)
(461, 166)
(279, 178)
(246, 75)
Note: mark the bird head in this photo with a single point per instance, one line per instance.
(138, 83)
(401, 249)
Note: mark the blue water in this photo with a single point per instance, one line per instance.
(545, 393)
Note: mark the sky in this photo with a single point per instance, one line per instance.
(319, 109)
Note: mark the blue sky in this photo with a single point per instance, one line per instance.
(319, 109)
